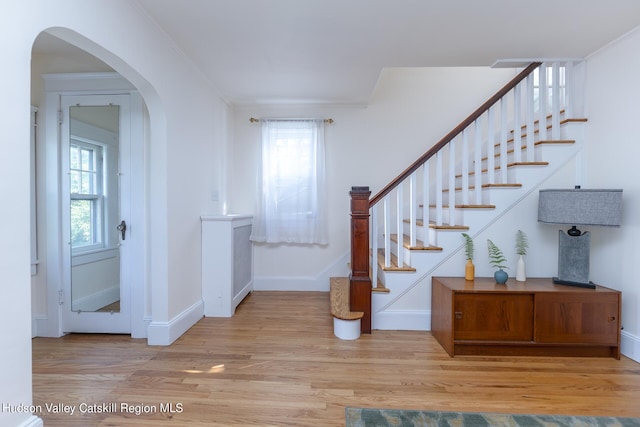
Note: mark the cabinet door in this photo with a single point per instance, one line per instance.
(585, 318)
(493, 317)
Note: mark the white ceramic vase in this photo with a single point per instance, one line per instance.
(521, 275)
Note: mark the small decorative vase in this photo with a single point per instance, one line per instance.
(521, 275)
(469, 270)
(501, 276)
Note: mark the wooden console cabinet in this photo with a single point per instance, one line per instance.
(532, 318)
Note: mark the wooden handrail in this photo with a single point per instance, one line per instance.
(451, 135)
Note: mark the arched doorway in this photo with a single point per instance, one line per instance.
(52, 274)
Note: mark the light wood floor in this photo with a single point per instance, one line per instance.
(277, 363)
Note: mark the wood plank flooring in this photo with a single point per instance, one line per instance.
(277, 363)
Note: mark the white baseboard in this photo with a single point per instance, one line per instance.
(165, 333)
(34, 326)
(402, 320)
(140, 329)
(98, 299)
(320, 282)
(33, 421)
(42, 327)
(630, 346)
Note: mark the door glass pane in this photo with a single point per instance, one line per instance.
(94, 208)
(82, 231)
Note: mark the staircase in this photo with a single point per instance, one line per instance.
(467, 181)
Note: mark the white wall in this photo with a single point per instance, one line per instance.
(15, 322)
(613, 147)
(188, 127)
(411, 109)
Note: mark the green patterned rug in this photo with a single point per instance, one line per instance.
(364, 417)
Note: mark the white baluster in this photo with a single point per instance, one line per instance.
(413, 207)
(374, 246)
(399, 224)
(477, 163)
(426, 200)
(531, 136)
(452, 181)
(465, 167)
(439, 187)
(542, 101)
(555, 101)
(517, 125)
(491, 148)
(503, 140)
(387, 232)
(569, 82)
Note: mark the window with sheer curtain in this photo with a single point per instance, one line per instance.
(291, 189)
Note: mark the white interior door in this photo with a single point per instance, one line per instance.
(95, 164)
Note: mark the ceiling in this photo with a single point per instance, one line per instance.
(332, 51)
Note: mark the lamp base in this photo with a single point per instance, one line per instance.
(589, 285)
(573, 257)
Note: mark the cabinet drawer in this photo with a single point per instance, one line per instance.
(577, 318)
(493, 317)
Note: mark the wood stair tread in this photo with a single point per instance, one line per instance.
(432, 225)
(555, 141)
(472, 187)
(507, 185)
(394, 263)
(535, 144)
(509, 165)
(380, 288)
(339, 295)
(563, 121)
(536, 125)
(547, 118)
(549, 127)
(420, 246)
(550, 116)
(460, 206)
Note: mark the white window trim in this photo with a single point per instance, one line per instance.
(98, 220)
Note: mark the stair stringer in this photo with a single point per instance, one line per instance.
(384, 317)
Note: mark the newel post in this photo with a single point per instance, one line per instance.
(360, 281)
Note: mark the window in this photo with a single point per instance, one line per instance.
(86, 181)
(291, 200)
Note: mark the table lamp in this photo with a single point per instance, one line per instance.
(576, 207)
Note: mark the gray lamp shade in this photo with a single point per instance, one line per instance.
(580, 207)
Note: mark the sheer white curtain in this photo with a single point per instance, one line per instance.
(291, 183)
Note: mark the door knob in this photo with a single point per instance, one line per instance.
(123, 228)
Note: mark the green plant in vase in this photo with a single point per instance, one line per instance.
(497, 260)
(469, 269)
(522, 244)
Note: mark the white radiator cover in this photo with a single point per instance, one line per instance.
(227, 263)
